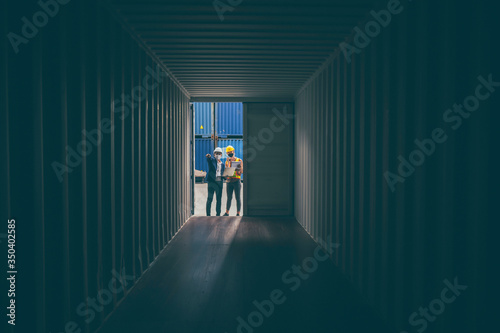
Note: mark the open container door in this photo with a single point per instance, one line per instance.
(268, 140)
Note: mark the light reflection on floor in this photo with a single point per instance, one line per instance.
(200, 200)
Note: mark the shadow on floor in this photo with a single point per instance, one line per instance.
(232, 274)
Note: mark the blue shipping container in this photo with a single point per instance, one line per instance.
(203, 119)
(229, 119)
(202, 148)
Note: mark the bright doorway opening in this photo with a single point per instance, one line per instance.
(217, 125)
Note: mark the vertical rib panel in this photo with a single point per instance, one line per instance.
(399, 247)
(97, 148)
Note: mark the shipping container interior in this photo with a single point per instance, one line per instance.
(368, 133)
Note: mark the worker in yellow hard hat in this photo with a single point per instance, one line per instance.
(233, 182)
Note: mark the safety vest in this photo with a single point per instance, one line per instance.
(228, 165)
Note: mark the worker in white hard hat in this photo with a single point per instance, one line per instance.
(233, 182)
(215, 180)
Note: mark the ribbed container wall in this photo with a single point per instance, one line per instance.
(353, 122)
(101, 209)
(203, 119)
(229, 119)
(202, 148)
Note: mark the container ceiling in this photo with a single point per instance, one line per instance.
(260, 49)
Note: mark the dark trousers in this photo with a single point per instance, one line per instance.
(236, 187)
(214, 187)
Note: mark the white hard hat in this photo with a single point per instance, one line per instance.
(218, 150)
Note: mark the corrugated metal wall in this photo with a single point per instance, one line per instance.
(229, 119)
(260, 49)
(118, 205)
(355, 119)
(202, 148)
(203, 123)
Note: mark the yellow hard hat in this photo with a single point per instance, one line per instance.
(229, 148)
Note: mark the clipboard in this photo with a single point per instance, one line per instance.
(236, 165)
(229, 172)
